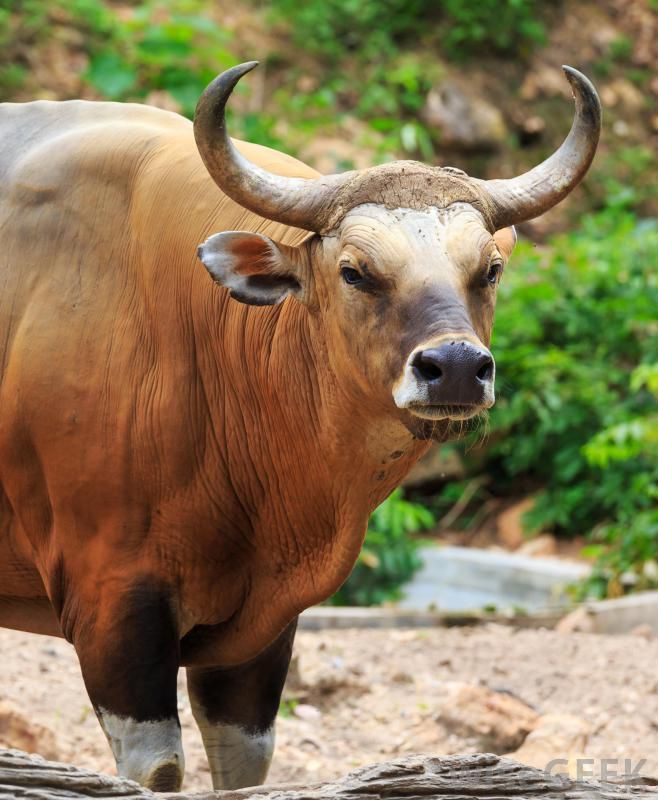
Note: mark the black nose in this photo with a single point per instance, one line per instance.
(455, 373)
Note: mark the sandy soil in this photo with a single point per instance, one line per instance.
(373, 695)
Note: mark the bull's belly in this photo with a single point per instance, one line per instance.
(33, 615)
(24, 604)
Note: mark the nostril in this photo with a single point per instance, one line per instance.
(485, 373)
(427, 367)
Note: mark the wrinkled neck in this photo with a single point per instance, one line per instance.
(270, 367)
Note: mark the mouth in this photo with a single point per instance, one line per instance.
(452, 412)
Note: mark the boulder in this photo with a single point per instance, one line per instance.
(509, 525)
(16, 731)
(578, 621)
(556, 736)
(495, 721)
(462, 117)
(542, 545)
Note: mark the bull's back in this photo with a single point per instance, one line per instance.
(71, 320)
(67, 174)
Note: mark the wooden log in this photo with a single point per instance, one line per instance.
(484, 776)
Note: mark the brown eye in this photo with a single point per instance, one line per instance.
(493, 273)
(351, 276)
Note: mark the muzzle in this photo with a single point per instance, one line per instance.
(454, 379)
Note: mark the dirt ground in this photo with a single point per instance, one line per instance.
(372, 695)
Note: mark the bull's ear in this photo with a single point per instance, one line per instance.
(252, 267)
(505, 240)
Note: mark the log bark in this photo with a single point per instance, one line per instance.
(483, 776)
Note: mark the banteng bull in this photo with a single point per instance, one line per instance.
(189, 456)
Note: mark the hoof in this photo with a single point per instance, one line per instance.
(165, 778)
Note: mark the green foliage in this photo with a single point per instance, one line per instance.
(389, 556)
(24, 19)
(376, 28)
(627, 549)
(625, 555)
(287, 707)
(625, 178)
(333, 27)
(170, 46)
(509, 27)
(28, 23)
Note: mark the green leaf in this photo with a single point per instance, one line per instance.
(111, 75)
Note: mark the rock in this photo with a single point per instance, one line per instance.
(555, 736)
(543, 81)
(509, 525)
(623, 93)
(463, 119)
(16, 731)
(307, 712)
(644, 630)
(542, 545)
(578, 621)
(496, 722)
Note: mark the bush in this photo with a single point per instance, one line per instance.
(627, 549)
(170, 46)
(389, 556)
(375, 28)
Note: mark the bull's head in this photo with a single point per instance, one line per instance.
(405, 260)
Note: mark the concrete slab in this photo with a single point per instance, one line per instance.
(623, 614)
(321, 618)
(463, 578)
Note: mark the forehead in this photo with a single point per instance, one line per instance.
(405, 236)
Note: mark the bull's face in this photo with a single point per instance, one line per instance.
(405, 300)
(403, 267)
(408, 297)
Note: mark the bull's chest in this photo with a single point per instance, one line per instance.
(234, 609)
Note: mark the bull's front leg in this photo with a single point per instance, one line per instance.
(235, 710)
(129, 655)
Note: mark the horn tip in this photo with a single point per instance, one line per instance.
(584, 90)
(239, 70)
(247, 66)
(217, 92)
(575, 76)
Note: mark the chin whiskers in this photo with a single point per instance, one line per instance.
(479, 427)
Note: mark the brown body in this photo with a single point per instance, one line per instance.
(182, 473)
(150, 426)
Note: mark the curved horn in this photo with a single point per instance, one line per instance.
(531, 194)
(300, 202)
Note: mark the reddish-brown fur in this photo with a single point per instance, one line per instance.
(149, 425)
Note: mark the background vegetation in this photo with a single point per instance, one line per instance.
(576, 424)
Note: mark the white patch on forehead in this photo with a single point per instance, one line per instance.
(432, 218)
(416, 238)
(142, 748)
